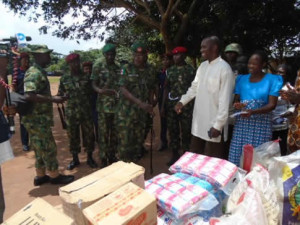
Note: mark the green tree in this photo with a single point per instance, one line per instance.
(252, 23)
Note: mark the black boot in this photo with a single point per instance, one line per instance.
(62, 179)
(75, 162)
(91, 162)
(174, 158)
(40, 180)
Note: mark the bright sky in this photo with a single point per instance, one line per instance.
(10, 24)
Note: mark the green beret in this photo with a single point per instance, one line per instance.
(108, 48)
(39, 49)
(233, 47)
(139, 47)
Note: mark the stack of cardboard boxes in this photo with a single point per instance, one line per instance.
(113, 195)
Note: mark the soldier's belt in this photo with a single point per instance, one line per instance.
(172, 98)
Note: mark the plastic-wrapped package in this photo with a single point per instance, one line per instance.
(248, 210)
(219, 195)
(262, 154)
(164, 218)
(179, 197)
(220, 173)
(259, 180)
(285, 172)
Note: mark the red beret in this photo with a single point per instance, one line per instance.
(72, 57)
(24, 55)
(87, 64)
(179, 49)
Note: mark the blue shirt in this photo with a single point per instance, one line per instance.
(270, 84)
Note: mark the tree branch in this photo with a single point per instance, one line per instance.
(144, 4)
(175, 6)
(160, 7)
(170, 5)
(184, 23)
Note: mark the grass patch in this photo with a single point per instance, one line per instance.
(53, 80)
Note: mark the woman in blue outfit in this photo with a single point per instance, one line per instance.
(256, 94)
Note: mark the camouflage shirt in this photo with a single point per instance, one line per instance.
(36, 81)
(138, 82)
(106, 76)
(179, 79)
(77, 88)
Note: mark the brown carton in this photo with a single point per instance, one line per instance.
(129, 205)
(87, 190)
(39, 212)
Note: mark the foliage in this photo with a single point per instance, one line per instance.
(269, 24)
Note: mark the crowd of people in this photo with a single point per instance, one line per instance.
(113, 105)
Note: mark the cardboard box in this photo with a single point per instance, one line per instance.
(129, 205)
(39, 212)
(82, 193)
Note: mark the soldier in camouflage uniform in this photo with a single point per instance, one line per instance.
(105, 77)
(179, 78)
(137, 83)
(38, 123)
(76, 87)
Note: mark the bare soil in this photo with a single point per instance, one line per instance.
(18, 174)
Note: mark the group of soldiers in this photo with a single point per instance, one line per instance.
(125, 100)
(122, 96)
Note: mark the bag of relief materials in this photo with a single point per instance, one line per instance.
(285, 172)
(247, 210)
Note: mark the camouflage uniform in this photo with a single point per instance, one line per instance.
(179, 79)
(78, 111)
(106, 76)
(39, 122)
(132, 119)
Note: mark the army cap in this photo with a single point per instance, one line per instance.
(39, 49)
(234, 47)
(109, 48)
(139, 47)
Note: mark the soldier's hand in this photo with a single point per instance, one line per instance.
(146, 107)
(178, 108)
(58, 99)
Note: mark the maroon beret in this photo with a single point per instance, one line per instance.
(72, 57)
(179, 49)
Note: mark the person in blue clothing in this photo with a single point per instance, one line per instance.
(19, 88)
(256, 95)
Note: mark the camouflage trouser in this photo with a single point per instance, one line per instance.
(130, 141)
(107, 139)
(179, 126)
(43, 144)
(73, 130)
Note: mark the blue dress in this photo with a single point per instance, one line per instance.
(257, 129)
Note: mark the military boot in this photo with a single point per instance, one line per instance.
(62, 179)
(90, 161)
(75, 162)
(40, 177)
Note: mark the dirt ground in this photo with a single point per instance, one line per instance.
(18, 174)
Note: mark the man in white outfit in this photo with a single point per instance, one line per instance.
(212, 89)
